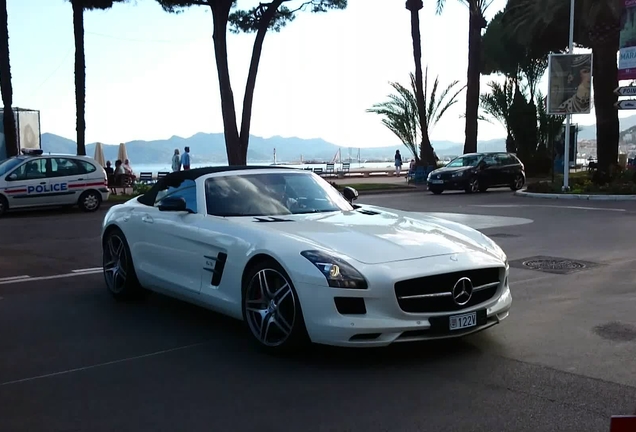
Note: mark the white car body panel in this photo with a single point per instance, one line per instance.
(175, 253)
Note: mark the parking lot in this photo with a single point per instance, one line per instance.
(73, 359)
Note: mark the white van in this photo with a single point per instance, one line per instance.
(37, 180)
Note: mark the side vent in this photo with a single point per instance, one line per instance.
(217, 270)
(271, 219)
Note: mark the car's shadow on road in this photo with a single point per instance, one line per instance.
(233, 337)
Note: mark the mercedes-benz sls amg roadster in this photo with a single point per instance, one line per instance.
(298, 261)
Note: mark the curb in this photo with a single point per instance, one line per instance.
(523, 193)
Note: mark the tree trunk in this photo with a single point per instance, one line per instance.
(80, 76)
(472, 85)
(605, 80)
(8, 119)
(427, 155)
(220, 14)
(248, 98)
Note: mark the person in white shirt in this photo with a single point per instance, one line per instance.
(176, 161)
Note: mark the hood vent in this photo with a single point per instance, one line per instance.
(368, 212)
(271, 219)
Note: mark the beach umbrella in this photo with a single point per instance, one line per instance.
(122, 155)
(99, 154)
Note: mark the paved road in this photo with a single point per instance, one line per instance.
(73, 359)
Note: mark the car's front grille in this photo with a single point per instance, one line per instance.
(435, 293)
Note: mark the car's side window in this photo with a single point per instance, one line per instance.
(86, 167)
(490, 160)
(63, 167)
(33, 169)
(186, 190)
(503, 159)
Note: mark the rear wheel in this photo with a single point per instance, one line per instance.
(517, 183)
(119, 271)
(271, 309)
(4, 205)
(89, 201)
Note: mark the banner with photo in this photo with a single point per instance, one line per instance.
(627, 46)
(569, 84)
(28, 129)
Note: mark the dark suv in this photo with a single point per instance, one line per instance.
(476, 172)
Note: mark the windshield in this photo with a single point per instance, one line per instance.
(8, 165)
(271, 194)
(464, 161)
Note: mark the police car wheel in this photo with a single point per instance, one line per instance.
(89, 201)
(119, 272)
(4, 205)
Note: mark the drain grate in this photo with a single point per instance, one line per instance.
(552, 264)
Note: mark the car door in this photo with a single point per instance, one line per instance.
(64, 175)
(506, 166)
(488, 173)
(172, 249)
(28, 185)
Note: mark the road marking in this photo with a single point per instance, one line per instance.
(93, 269)
(14, 278)
(547, 206)
(42, 278)
(113, 362)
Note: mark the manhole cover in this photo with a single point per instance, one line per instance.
(554, 264)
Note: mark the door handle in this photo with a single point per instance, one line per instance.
(147, 219)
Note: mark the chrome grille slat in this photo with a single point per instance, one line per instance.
(447, 294)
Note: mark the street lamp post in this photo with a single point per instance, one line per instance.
(568, 117)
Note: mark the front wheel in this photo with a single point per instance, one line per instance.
(272, 310)
(473, 185)
(4, 205)
(90, 201)
(517, 183)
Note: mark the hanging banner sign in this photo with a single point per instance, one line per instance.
(627, 45)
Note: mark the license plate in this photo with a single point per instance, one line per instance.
(437, 181)
(459, 322)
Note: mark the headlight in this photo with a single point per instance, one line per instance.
(339, 273)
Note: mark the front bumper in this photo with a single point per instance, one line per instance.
(459, 183)
(384, 321)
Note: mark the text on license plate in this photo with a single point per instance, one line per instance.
(459, 322)
(437, 181)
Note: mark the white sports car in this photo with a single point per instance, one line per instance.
(296, 260)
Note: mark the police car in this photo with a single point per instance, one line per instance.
(36, 180)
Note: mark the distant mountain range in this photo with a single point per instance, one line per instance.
(210, 148)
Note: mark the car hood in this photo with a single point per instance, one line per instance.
(373, 235)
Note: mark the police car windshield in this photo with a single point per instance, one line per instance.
(9, 164)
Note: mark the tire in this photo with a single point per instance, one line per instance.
(4, 205)
(517, 183)
(119, 271)
(89, 201)
(275, 303)
(473, 185)
(437, 191)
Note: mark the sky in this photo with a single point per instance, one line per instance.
(151, 75)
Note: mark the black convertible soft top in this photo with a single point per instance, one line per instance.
(175, 179)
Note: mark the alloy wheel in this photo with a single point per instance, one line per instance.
(474, 185)
(91, 202)
(518, 182)
(270, 307)
(115, 263)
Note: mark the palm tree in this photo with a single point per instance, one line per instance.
(498, 103)
(8, 119)
(403, 117)
(79, 6)
(477, 22)
(597, 26)
(427, 155)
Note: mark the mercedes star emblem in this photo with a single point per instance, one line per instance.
(462, 291)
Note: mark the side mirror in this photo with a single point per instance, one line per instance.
(12, 177)
(175, 204)
(350, 194)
